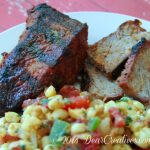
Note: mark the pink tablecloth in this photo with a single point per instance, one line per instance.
(13, 12)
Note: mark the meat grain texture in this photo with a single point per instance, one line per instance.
(51, 50)
(135, 79)
(98, 84)
(110, 52)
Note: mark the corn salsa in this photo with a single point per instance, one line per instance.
(75, 120)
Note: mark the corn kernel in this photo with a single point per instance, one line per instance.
(147, 116)
(77, 128)
(45, 141)
(105, 126)
(13, 129)
(109, 105)
(50, 91)
(122, 106)
(143, 137)
(12, 117)
(96, 102)
(77, 113)
(135, 126)
(4, 146)
(60, 114)
(138, 106)
(49, 116)
(30, 123)
(36, 110)
(2, 122)
(91, 112)
(56, 102)
(2, 132)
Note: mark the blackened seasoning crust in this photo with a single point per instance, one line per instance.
(51, 50)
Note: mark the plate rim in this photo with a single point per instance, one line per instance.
(78, 12)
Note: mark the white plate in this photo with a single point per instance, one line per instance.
(100, 25)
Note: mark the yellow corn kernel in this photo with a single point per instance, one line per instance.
(45, 141)
(96, 102)
(2, 122)
(147, 116)
(4, 146)
(36, 110)
(109, 105)
(12, 117)
(121, 147)
(60, 114)
(56, 102)
(135, 126)
(77, 128)
(91, 112)
(143, 137)
(13, 129)
(105, 126)
(77, 113)
(49, 116)
(50, 91)
(2, 132)
(122, 106)
(138, 106)
(30, 123)
(99, 108)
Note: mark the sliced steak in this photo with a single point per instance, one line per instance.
(99, 85)
(51, 50)
(110, 52)
(135, 79)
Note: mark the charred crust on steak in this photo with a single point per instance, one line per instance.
(51, 50)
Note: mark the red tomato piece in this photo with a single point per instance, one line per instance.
(16, 148)
(8, 138)
(69, 91)
(117, 116)
(78, 102)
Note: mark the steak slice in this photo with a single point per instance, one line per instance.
(51, 50)
(135, 79)
(111, 51)
(99, 85)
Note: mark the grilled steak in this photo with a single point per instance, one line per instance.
(135, 79)
(51, 50)
(110, 52)
(99, 85)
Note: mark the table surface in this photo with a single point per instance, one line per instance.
(13, 12)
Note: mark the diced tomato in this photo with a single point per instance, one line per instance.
(10, 138)
(17, 148)
(119, 121)
(69, 91)
(78, 102)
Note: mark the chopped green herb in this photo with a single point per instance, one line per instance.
(58, 131)
(93, 123)
(129, 108)
(128, 120)
(44, 101)
(125, 99)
